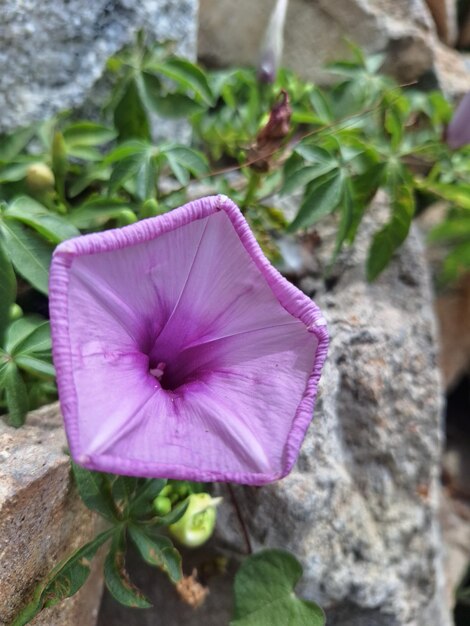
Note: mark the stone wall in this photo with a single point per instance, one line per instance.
(42, 520)
(52, 52)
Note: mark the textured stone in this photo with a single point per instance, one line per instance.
(315, 33)
(55, 50)
(42, 520)
(360, 508)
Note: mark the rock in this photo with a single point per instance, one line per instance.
(451, 71)
(56, 50)
(42, 520)
(444, 13)
(230, 33)
(360, 508)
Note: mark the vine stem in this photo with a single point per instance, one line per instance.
(241, 521)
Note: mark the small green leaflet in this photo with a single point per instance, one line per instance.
(321, 197)
(187, 75)
(65, 579)
(50, 225)
(30, 255)
(7, 291)
(16, 395)
(130, 116)
(95, 491)
(117, 580)
(264, 593)
(159, 551)
(394, 233)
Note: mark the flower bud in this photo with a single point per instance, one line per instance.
(126, 217)
(40, 177)
(162, 505)
(458, 131)
(198, 522)
(273, 42)
(15, 312)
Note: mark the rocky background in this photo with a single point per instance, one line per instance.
(364, 510)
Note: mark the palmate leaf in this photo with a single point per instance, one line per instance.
(29, 254)
(87, 134)
(117, 580)
(184, 161)
(264, 593)
(159, 551)
(141, 503)
(65, 579)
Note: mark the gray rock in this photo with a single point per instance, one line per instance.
(315, 33)
(360, 507)
(53, 52)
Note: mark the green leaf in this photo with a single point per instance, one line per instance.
(94, 490)
(7, 292)
(187, 75)
(392, 235)
(16, 395)
(38, 340)
(264, 593)
(346, 215)
(65, 579)
(183, 160)
(87, 134)
(23, 328)
(130, 117)
(97, 212)
(14, 172)
(159, 551)
(455, 192)
(302, 176)
(321, 198)
(140, 166)
(50, 225)
(117, 580)
(35, 365)
(141, 504)
(30, 255)
(12, 144)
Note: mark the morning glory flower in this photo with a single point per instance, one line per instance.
(181, 352)
(458, 131)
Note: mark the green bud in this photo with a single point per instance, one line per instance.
(162, 505)
(15, 312)
(167, 489)
(198, 523)
(150, 208)
(40, 177)
(126, 217)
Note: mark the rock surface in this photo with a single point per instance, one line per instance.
(55, 51)
(360, 508)
(41, 520)
(231, 32)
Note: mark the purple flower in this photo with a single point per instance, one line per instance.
(181, 352)
(458, 131)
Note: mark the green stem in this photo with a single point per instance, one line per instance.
(253, 184)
